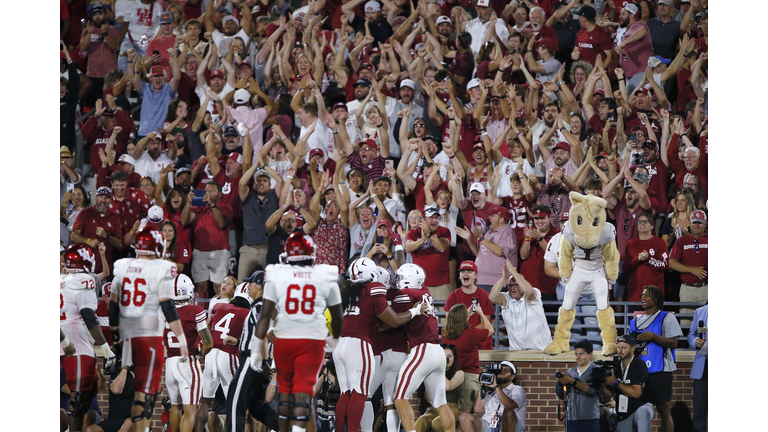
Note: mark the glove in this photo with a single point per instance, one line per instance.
(110, 359)
(256, 358)
(115, 337)
(330, 344)
(678, 232)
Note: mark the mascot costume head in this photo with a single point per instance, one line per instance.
(588, 257)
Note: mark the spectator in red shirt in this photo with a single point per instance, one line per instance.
(129, 204)
(695, 161)
(96, 224)
(158, 47)
(369, 158)
(646, 259)
(532, 252)
(470, 293)
(592, 40)
(690, 256)
(429, 246)
(210, 256)
(100, 127)
(100, 41)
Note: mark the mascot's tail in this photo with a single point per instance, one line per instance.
(562, 332)
(607, 323)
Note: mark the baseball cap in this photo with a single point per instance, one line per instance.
(498, 211)
(166, 18)
(399, 20)
(468, 265)
(407, 83)
(256, 277)
(698, 216)
(442, 19)
(662, 59)
(477, 187)
(126, 158)
(230, 131)
(627, 339)
(242, 96)
(631, 8)
(316, 152)
(340, 105)
(539, 213)
(651, 144)
(230, 18)
(604, 154)
(547, 43)
(64, 151)
(564, 216)
(598, 91)
(588, 12)
(479, 145)
(370, 143)
(237, 157)
(474, 82)
(244, 62)
(261, 173)
(562, 145)
(97, 6)
(183, 170)
(155, 214)
(509, 364)
(372, 6)
(669, 2)
(430, 211)
(104, 190)
(385, 222)
(365, 66)
(362, 81)
(156, 71)
(483, 3)
(218, 74)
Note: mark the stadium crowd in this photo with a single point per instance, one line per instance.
(438, 135)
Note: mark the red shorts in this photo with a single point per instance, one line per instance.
(303, 355)
(80, 372)
(146, 355)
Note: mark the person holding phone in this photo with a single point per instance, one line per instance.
(161, 43)
(386, 249)
(100, 41)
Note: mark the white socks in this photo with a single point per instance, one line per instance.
(393, 421)
(366, 425)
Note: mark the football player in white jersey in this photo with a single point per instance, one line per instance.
(300, 291)
(78, 322)
(142, 287)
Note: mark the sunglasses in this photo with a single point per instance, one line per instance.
(626, 224)
(419, 125)
(643, 221)
(696, 245)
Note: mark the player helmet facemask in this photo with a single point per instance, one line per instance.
(79, 258)
(149, 241)
(410, 276)
(299, 247)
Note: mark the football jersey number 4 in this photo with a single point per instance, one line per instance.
(306, 302)
(223, 325)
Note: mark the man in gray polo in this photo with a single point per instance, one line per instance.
(259, 203)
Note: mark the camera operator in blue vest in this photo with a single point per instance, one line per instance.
(659, 330)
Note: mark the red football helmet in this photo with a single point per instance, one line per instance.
(149, 241)
(78, 258)
(299, 247)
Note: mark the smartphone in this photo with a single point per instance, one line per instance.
(156, 52)
(633, 137)
(70, 187)
(380, 239)
(197, 201)
(389, 164)
(474, 303)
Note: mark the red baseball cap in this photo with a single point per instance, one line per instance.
(468, 265)
(604, 154)
(547, 43)
(340, 105)
(651, 144)
(237, 157)
(218, 74)
(698, 216)
(565, 216)
(386, 223)
(315, 152)
(365, 66)
(499, 211)
(370, 143)
(156, 71)
(562, 145)
(541, 214)
(478, 145)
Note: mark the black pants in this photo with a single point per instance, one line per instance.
(700, 402)
(247, 392)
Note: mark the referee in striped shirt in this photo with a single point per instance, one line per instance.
(248, 387)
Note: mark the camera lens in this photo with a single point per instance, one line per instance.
(559, 375)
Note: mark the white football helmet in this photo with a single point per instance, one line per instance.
(362, 270)
(183, 288)
(384, 276)
(242, 291)
(410, 276)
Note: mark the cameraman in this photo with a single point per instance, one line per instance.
(632, 409)
(583, 410)
(505, 403)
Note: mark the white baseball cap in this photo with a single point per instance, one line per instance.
(155, 214)
(126, 158)
(477, 187)
(443, 19)
(407, 83)
(474, 82)
(242, 96)
(483, 3)
(631, 8)
(372, 6)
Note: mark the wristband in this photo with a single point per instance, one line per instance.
(527, 239)
(182, 339)
(520, 134)
(380, 125)
(616, 383)
(290, 177)
(214, 206)
(88, 241)
(451, 157)
(284, 207)
(389, 258)
(65, 342)
(619, 79)
(105, 351)
(132, 231)
(300, 207)
(416, 311)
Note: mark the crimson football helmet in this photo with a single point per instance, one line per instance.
(299, 247)
(79, 258)
(149, 241)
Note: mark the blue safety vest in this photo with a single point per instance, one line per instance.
(653, 354)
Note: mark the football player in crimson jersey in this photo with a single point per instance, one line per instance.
(142, 287)
(77, 320)
(300, 292)
(227, 319)
(426, 361)
(364, 302)
(184, 380)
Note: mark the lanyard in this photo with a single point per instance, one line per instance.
(624, 378)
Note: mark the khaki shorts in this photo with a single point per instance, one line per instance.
(211, 265)
(469, 391)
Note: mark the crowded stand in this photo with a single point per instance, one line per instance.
(276, 208)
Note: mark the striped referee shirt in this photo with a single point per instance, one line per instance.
(250, 329)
